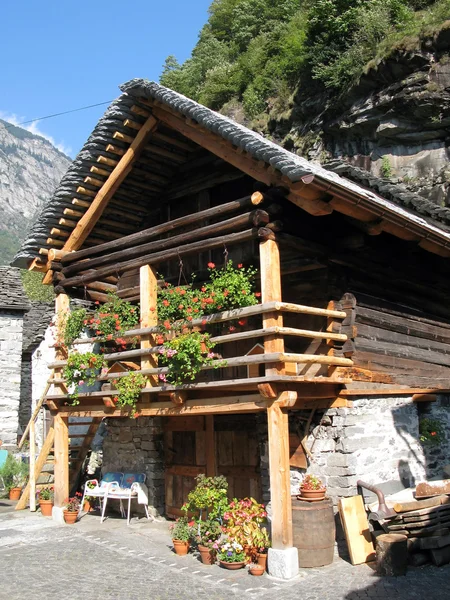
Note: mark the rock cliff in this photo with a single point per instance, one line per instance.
(395, 123)
(30, 170)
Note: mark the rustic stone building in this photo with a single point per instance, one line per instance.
(13, 306)
(353, 323)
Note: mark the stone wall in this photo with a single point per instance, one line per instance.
(136, 445)
(11, 328)
(377, 440)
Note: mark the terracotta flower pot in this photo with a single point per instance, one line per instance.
(46, 507)
(70, 517)
(257, 570)
(206, 554)
(231, 566)
(14, 493)
(262, 559)
(87, 506)
(312, 494)
(181, 548)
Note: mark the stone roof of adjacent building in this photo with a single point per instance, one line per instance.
(385, 196)
(38, 318)
(12, 294)
(35, 323)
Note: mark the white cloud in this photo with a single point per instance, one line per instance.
(34, 128)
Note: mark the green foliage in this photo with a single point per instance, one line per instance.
(207, 532)
(184, 356)
(115, 316)
(13, 473)
(74, 324)
(250, 49)
(182, 529)
(229, 288)
(129, 388)
(311, 482)
(9, 245)
(82, 369)
(46, 493)
(431, 432)
(209, 495)
(386, 168)
(34, 288)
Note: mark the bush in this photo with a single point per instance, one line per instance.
(13, 473)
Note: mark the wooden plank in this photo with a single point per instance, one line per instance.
(61, 459)
(149, 318)
(297, 454)
(120, 171)
(210, 446)
(356, 528)
(32, 479)
(185, 470)
(40, 462)
(280, 485)
(200, 448)
(224, 448)
(196, 423)
(35, 414)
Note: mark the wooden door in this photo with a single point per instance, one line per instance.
(221, 445)
(237, 454)
(185, 451)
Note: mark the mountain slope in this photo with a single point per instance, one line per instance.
(30, 170)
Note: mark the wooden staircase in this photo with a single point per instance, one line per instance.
(81, 434)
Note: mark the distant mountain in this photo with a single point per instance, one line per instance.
(30, 169)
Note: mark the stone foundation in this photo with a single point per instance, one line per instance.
(136, 446)
(377, 440)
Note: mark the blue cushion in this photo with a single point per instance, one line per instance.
(130, 478)
(108, 477)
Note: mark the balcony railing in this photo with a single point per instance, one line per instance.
(298, 364)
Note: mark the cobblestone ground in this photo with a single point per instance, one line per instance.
(39, 559)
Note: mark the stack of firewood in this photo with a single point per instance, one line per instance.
(426, 523)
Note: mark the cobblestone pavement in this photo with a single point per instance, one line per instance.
(40, 559)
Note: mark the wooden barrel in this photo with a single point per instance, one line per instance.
(314, 532)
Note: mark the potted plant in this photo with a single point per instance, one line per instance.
(45, 499)
(208, 498)
(88, 503)
(243, 523)
(72, 508)
(82, 369)
(207, 534)
(312, 489)
(231, 555)
(129, 388)
(185, 356)
(182, 532)
(14, 474)
(256, 569)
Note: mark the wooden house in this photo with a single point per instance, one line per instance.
(355, 284)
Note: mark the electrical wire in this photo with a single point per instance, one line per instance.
(8, 126)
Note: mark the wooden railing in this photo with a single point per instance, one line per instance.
(330, 359)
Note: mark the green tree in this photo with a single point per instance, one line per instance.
(34, 288)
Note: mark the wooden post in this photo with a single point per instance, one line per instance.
(269, 255)
(32, 466)
(280, 484)
(61, 459)
(149, 318)
(61, 309)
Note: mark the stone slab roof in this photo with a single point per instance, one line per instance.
(35, 323)
(396, 192)
(434, 221)
(12, 294)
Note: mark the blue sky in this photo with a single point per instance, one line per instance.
(62, 55)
